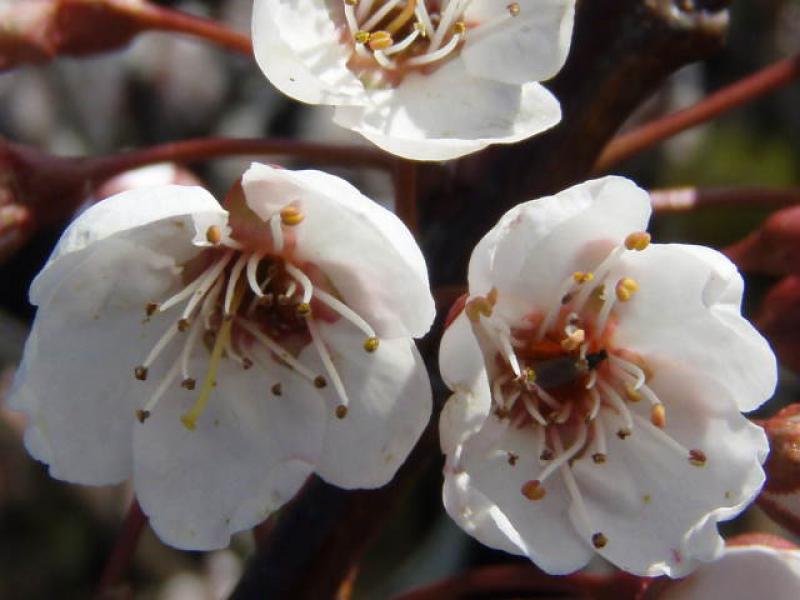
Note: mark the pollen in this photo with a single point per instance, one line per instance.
(573, 340)
(513, 9)
(697, 458)
(140, 373)
(142, 415)
(599, 458)
(533, 490)
(599, 540)
(380, 40)
(626, 288)
(291, 216)
(581, 277)
(529, 375)
(303, 309)
(361, 37)
(371, 344)
(478, 307)
(460, 28)
(638, 241)
(214, 234)
(658, 416)
(632, 394)
(341, 411)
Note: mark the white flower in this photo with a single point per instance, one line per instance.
(598, 386)
(255, 345)
(758, 570)
(422, 79)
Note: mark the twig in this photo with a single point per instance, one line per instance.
(123, 551)
(743, 91)
(689, 198)
(405, 185)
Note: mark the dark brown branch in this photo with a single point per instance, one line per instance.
(691, 198)
(124, 548)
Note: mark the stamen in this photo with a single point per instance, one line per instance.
(564, 456)
(379, 14)
(533, 490)
(403, 17)
(364, 6)
(380, 57)
(189, 289)
(605, 312)
(449, 14)
(344, 311)
(439, 54)
(186, 352)
(630, 368)
(545, 397)
(532, 411)
(303, 280)
(601, 455)
(350, 17)
(552, 313)
(205, 285)
(277, 349)
(573, 340)
(697, 458)
(214, 235)
(319, 344)
(162, 343)
(252, 272)
(380, 40)
(277, 232)
(424, 18)
(403, 44)
(658, 416)
(209, 303)
(662, 435)
(616, 401)
(600, 274)
(233, 279)
(513, 9)
(564, 414)
(144, 413)
(638, 241)
(626, 288)
(596, 402)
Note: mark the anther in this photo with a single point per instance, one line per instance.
(658, 416)
(638, 241)
(573, 340)
(150, 309)
(546, 454)
(320, 382)
(632, 394)
(188, 383)
(277, 389)
(303, 309)
(142, 415)
(626, 288)
(599, 458)
(421, 28)
(140, 373)
(183, 324)
(529, 375)
(623, 433)
(581, 277)
(459, 28)
(380, 40)
(341, 411)
(247, 363)
(478, 307)
(214, 235)
(361, 37)
(697, 458)
(513, 9)
(351, 2)
(533, 490)
(599, 540)
(512, 458)
(371, 344)
(291, 215)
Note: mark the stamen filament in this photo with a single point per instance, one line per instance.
(616, 401)
(596, 402)
(403, 44)
(598, 539)
(350, 17)
(421, 11)
(276, 349)
(403, 17)
(277, 232)
(600, 274)
(344, 311)
(532, 411)
(630, 368)
(143, 413)
(252, 273)
(380, 56)
(188, 346)
(563, 456)
(303, 280)
(162, 343)
(424, 59)
(327, 362)
(208, 281)
(379, 14)
(233, 279)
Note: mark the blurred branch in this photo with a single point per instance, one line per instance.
(405, 185)
(122, 554)
(746, 90)
(689, 198)
(37, 31)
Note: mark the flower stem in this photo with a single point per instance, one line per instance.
(743, 91)
(684, 199)
(124, 548)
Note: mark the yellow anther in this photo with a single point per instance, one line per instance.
(421, 28)
(478, 307)
(529, 375)
(291, 215)
(351, 2)
(639, 240)
(697, 458)
(513, 9)
(632, 394)
(460, 28)
(581, 277)
(573, 340)
(599, 540)
(380, 40)
(533, 490)
(341, 411)
(361, 37)
(303, 309)
(371, 344)
(658, 416)
(626, 288)
(214, 234)
(492, 296)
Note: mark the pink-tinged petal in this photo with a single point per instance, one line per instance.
(364, 250)
(461, 361)
(450, 113)
(499, 461)
(532, 46)
(389, 406)
(687, 309)
(250, 453)
(302, 53)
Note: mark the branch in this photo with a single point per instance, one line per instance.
(685, 199)
(746, 90)
(124, 549)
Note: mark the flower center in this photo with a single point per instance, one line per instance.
(389, 37)
(559, 375)
(240, 300)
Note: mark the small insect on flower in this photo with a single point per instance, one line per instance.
(423, 79)
(614, 371)
(221, 355)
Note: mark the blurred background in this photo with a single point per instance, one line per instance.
(54, 537)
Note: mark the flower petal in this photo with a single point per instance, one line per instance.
(461, 360)
(302, 53)
(688, 303)
(450, 113)
(366, 252)
(249, 455)
(532, 46)
(390, 404)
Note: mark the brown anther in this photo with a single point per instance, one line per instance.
(658, 416)
(599, 458)
(632, 394)
(380, 40)
(188, 383)
(599, 540)
(460, 28)
(183, 324)
(566, 298)
(581, 277)
(638, 240)
(697, 458)
(371, 344)
(546, 454)
(626, 288)
(341, 411)
(277, 389)
(291, 216)
(266, 300)
(320, 382)
(573, 340)
(533, 490)
(214, 234)
(303, 309)
(142, 415)
(623, 433)
(478, 307)
(150, 309)
(140, 373)
(361, 37)
(512, 458)
(283, 299)
(247, 363)
(513, 9)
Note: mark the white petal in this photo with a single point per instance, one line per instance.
(250, 453)
(192, 208)
(76, 382)
(688, 309)
(366, 251)
(541, 529)
(302, 53)
(743, 573)
(461, 359)
(532, 46)
(537, 245)
(390, 404)
(450, 113)
(658, 511)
